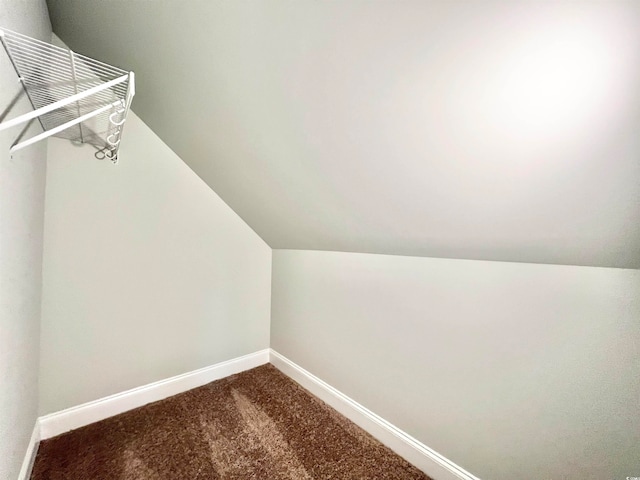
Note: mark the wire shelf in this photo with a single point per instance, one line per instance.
(73, 96)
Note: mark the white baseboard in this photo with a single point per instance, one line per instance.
(76, 417)
(423, 457)
(429, 461)
(30, 455)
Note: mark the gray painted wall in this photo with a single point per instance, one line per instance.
(22, 184)
(147, 272)
(489, 129)
(510, 370)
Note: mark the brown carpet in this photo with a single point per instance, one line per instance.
(258, 424)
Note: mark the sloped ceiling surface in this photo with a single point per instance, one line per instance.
(484, 130)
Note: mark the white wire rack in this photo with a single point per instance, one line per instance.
(73, 96)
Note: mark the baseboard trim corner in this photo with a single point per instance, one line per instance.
(75, 417)
(30, 454)
(426, 459)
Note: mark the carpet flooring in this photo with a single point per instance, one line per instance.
(258, 424)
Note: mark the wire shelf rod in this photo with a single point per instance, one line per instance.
(49, 93)
(63, 86)
(46, 93)
(98, 63)
(38, 59)
(60, 103)
(36, 45)
(64, 126)
(62, 60)
(35, 64)
(51, 57)
(24, 39)
(97, 67)
(49, 50)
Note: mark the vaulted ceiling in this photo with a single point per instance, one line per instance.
(487, 130)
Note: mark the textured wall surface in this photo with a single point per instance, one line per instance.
(147, 272)
(22, 185)
(510, 370)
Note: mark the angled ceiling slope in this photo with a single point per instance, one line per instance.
(483, 130)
